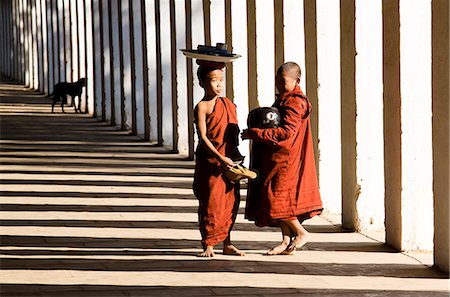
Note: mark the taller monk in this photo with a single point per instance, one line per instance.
(218, 131)
(286, 192)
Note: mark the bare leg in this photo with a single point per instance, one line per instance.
(230, 249)
(286, 240)
(207, 252)
(301, 237)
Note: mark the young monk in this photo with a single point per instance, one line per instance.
(218, 132)
(287, 191)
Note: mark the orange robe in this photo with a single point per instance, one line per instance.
(218, 197)
(287, 184)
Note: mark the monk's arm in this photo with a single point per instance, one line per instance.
(294, 116)
(205, 142)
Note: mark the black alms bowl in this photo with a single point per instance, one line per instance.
(264, 117)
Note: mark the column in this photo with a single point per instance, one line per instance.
(369, 119)
(49, 46)
(150, 37)
(98, 69)
(116, 57)
(127, 112)
(441, 132)
(392, 123)
(184, 109)
(106, 58)
(415, 87)
(350, 187)
(166, 71)
(294, 36)
(61, 38)
(139, 58)
(329, 103)
(35, 42)
(240, 68)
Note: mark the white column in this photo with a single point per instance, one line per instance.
(166, 69)
(55, 42)
(40, 46)
(139, 64)
(82, 51)
(181, 72)
(369, 121)
(265, 52)
(35, 43)
(328, 72)
(67, 41)
(27, 48)
(45, 46)
(98, 87)
(217, 21)
(89, 59)
(150, 34)
(106, 58)
(62, 45)
(116, 52)
(441, 133)
(294, 36)
(197, 38)
(49, 46)
(415, 74)
(240, 69)
(126, 56)
(74, 40)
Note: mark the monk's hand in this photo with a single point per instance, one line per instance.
(226, 162)
(245, 134)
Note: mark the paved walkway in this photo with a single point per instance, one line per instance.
(90, 211)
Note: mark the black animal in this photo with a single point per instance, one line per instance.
(63, 89)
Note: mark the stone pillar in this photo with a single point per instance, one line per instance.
(108, 77)
(127, 111)
(61, 38)
(49, 45)
(166, 71)
(392, 123)
(369, 120)
(28, 67)
(81, 44)
(139, 57)
(328, 70)
(67, 41)
(237, 41)
(40, 45)
(116, 57)
(415, 87)
(45, 46)
(294, 41)
(55, 43)
(350, 187)
(265, 53)
(90, 103)
(74, 40)
(184, 109)
(150, 34)
(441, 132)
(35, 41)
(99, 104)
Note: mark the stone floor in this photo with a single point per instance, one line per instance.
(87, 210)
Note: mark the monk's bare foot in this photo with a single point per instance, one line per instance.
(278, 250)
(230, 249)
(207, 252)
(297, 243)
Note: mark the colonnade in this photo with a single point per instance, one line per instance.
(376, 71)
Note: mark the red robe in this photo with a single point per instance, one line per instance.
(287, 184)
(218, 197)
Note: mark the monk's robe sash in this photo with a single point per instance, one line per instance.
(218, 197)
(287, 186)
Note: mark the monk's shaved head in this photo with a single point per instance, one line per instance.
(290, 68)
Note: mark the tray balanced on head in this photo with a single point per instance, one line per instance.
(218, 53)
